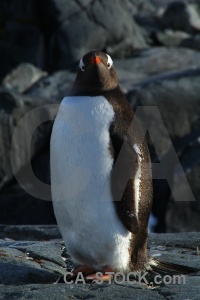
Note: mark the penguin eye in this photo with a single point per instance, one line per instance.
(81, 65)
(109, 62)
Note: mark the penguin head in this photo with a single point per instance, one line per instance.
(96, 73)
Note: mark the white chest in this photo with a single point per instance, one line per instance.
(80, 176)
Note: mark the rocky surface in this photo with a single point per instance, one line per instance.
(23, 77)
(13, 107)
(32, 268)
(54, 34)
(187, 21)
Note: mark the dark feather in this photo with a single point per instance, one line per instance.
(170, 268)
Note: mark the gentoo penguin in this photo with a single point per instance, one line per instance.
(95, 144)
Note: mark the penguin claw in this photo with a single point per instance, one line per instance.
(90, 275)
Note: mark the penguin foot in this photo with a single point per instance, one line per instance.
(100, 278)
(90, 275)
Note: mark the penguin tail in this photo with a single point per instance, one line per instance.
(169, 268)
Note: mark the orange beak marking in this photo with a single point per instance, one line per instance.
(95, 60)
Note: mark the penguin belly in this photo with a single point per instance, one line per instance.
(81, 166)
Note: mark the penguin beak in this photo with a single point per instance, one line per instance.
(95, 60)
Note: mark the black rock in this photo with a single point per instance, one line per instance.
(80, 26)
(21, 39)
(192, 42)
(29, 232)
(54, 34)
(17, 205)
(177, 17)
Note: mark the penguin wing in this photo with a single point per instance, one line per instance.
(124, 178)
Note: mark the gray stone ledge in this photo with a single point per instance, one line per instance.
(32, 267)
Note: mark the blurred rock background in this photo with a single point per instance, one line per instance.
(155, 45)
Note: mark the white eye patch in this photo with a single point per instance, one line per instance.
(109, 62)
(81, 65)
